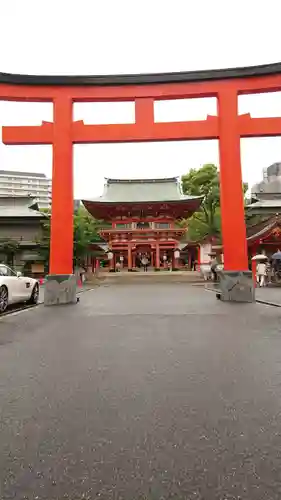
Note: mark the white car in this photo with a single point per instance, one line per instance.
(16, 288)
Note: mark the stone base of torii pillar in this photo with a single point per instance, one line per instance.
(60, 289)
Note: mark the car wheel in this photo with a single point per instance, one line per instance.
(3, 299)
(35, 295)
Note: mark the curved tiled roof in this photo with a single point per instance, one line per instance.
(153, 180)
(139, 196)
(143, 79)
(262, 228)
(19, 207)
(143, 191)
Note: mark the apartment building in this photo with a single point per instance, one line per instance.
(35, 185)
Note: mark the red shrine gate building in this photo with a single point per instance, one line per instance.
(143, 216)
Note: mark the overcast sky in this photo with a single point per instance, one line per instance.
(130, 36)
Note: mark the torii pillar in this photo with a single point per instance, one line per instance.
(59, 135)
(231, 192)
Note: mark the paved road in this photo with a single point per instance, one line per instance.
(149, 392)
(269, 294)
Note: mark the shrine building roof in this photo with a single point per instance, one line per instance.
(263, 228)
(265, 206)
(271, 226)
(143, 190)
(19, 207)
(140, 194)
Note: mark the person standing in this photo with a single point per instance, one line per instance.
(214, 266)
(268, 273)
(144, 262)
(261, 272)
(81, 274)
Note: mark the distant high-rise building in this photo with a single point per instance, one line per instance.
(264, 173)
(77, 204)
(35, 185)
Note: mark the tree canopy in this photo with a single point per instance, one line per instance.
(205, 182)
(85, 232)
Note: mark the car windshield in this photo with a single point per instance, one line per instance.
(6, 271)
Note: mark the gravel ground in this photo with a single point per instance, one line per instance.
(141, 392)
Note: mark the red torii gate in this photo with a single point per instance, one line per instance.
(228, 127)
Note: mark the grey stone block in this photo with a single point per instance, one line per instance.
(60, 289)
(236, 286)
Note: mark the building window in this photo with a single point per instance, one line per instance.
(123, 226)
(143, 225)
(162, 225)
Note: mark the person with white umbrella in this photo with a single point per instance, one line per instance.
(261, 268)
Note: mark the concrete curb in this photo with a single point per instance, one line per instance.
(268, 303)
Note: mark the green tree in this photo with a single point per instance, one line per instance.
(205, 182)
(85, 232)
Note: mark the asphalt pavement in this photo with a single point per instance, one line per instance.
(141, 392)
(270, 295)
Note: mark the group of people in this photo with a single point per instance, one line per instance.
(144, 262)
(210, 271)
(265, 271)
(268, 271)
